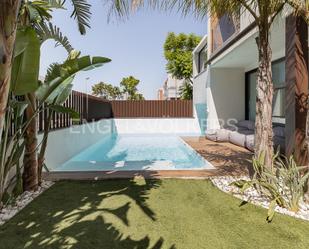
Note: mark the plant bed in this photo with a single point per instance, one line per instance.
(21, 201)
(224, 183)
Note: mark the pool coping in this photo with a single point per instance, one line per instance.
(147, 174)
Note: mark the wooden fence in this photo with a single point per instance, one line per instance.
(93, 108)
(152, 109)
(89, 107)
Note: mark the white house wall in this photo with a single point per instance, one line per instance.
(225, 96)
(179, 126)
(200, 99)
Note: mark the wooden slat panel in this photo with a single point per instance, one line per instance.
(100, 109)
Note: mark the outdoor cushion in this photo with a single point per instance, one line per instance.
(248, 124)
(231, 127)
(220, 135)
(250, 142)
(238, 139)
(223, 135)
(211, 135)
(279, 131)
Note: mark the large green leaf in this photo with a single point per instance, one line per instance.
(59, 76)
(72, 66)
(63, 96)
(21, 43)
(19, 107)
(26, 65)
(61, 92)
(45, 89)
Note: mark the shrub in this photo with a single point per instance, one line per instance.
(282, 184)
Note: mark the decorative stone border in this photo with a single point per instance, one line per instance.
(252, 196)
(22, 201)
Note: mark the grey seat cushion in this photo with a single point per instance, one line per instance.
(238, 139)
(247, 124)
(223, 135)
(250, 142)
(211, 135)
(220, 135)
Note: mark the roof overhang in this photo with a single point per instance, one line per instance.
(243, 53)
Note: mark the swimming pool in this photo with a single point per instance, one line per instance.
(137, 152)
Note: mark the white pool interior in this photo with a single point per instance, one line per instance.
(137, 152)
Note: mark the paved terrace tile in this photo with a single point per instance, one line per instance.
(228, 159)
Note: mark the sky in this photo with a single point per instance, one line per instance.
(134, 45)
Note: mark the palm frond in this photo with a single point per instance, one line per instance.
(55, 4)
(82, 13)
(119, 8)
(47, 31)
(300, 8)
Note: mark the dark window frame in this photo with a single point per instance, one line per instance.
(200, 70)
(247, 88)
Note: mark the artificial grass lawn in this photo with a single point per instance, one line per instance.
(189, 214)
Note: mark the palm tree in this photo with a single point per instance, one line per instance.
(264, 13)
(8, 25)
(9, 14)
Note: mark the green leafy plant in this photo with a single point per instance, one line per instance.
(186, 91)
(282, 184)
(178, 53)
(107, 91)
(129, 88)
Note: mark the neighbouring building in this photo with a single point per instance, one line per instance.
(170, 89)
(225, 70)
(160, 94)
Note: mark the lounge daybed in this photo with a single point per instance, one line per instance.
(242, 134)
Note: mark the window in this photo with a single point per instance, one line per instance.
(202, 59)
(278, 69)
(223, 29)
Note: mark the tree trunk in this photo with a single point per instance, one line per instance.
(41, 158)
(30, 174)
(263, 121)
(8, 24)
(306, 188)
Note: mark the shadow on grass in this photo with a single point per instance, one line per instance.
(81, 215)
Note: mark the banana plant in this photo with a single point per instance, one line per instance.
(35, 29)
(12, 13)
(12, 147)
(24, 81)
(56, 89)
(51, 95)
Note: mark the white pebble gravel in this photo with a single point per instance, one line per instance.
(21, 201)
(252, 196)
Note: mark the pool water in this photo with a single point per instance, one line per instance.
(137, 152)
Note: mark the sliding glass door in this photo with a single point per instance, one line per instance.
(278, 69)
